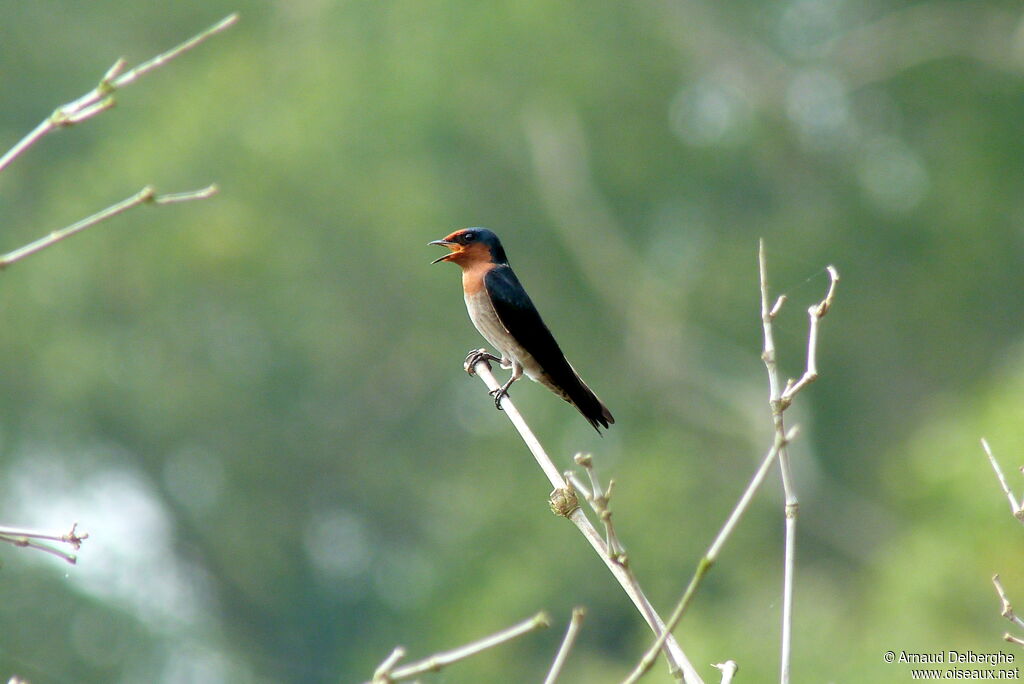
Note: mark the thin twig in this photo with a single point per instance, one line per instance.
(1016, 508)
(385, 674)
(563, 651)
(816, 312)
(577, 484)
(598, 498)
(92, 103)
(145, 196)
(779, 400)
(778, 450)
(384, 669)
(728, 669)
(673, 653)
(101, 97)
(1007, 609)
(34, 539)
(1018, 512)
(709, 558)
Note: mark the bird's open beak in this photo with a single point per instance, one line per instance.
(453, 246)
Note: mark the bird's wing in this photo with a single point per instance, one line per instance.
(520, 317)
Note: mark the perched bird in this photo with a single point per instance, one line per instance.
(503, 313)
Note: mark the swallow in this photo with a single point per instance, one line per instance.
(504, 314)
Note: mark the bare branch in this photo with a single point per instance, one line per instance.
(779, 400)
(35, 539)
(709, 558)
(383, 670)
(1017, 509)
(816, 313)
(767, 315)
(145, 196)
(101, 97)
(598, 498)
(92, 103)
(385, 674)
(673, 653)
(563, 652)
(1007, 609)
(129, 77)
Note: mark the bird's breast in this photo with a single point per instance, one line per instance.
(486, 320)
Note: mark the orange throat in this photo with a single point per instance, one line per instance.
(473, 276)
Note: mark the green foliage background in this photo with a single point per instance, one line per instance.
(255, 406)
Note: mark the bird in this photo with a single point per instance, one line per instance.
(506, 317)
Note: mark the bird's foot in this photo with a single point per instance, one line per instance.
(476, 356)
(498, 395)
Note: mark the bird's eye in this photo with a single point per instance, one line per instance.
(468, 237)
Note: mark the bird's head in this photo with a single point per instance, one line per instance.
(472, 246)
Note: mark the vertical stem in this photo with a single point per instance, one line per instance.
(792, 503)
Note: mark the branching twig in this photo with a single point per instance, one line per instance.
(567, 643)
(34, 539)
(779, 400)
(710, 557)
(1007, 612)
(101, 97)
(1016, 508)
(145, 196)
(1007, 609)
(95, 101)
(384, 669)
(565, 495)
(92, 103)
(598, 499)
(816, 313)
(387, 672)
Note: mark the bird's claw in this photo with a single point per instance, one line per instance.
(476, 356)
(498, 395)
